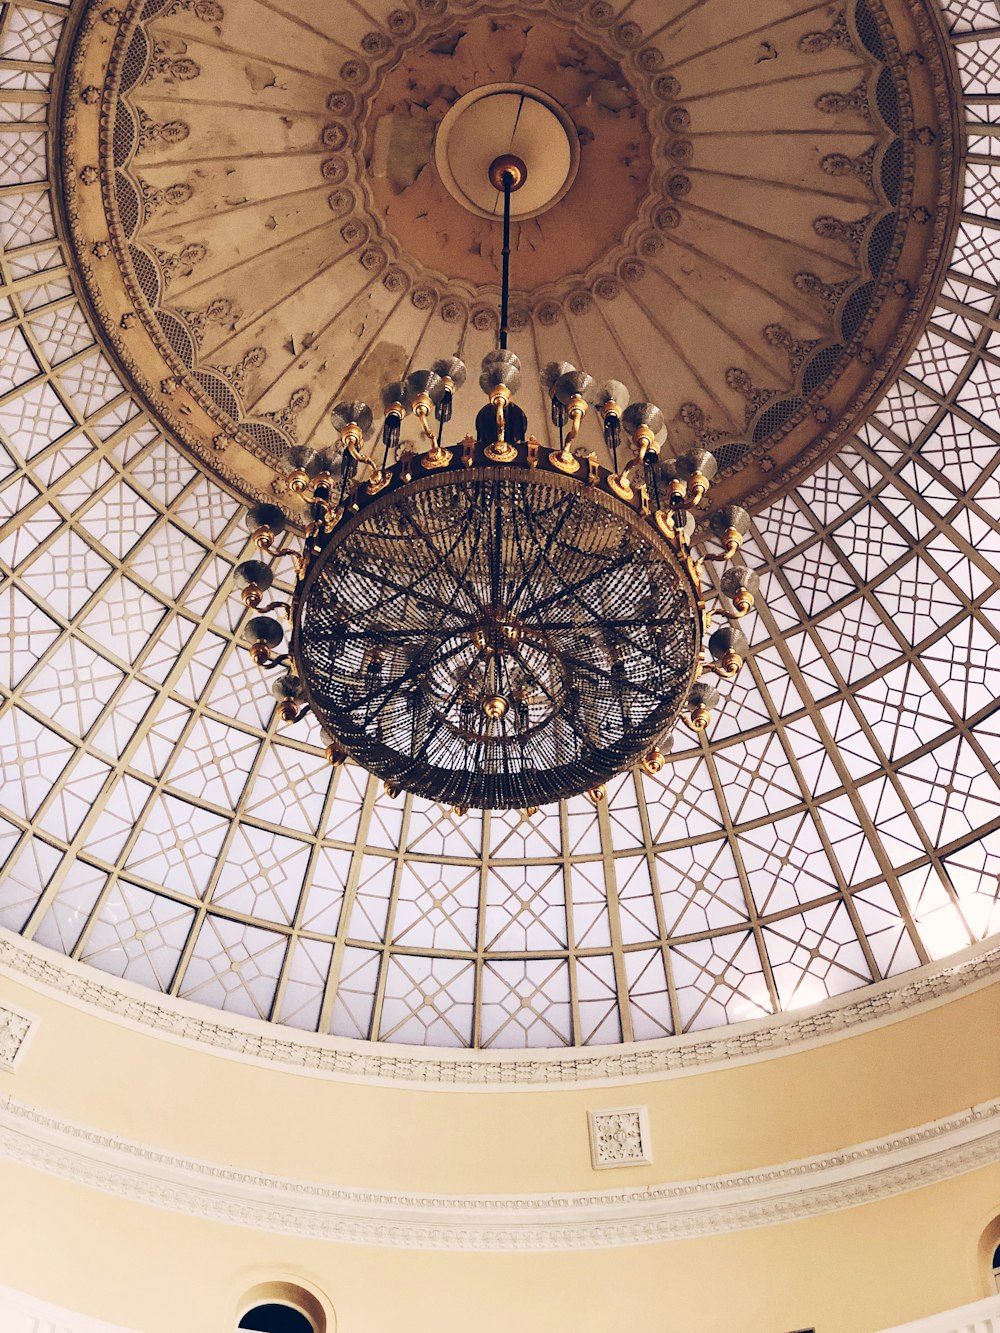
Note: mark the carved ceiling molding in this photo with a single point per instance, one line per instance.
(142, 1173)
(640, 68)
(868, 322)
(327, 1056)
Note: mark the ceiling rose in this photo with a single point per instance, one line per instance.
(752, 233)
(526, 122)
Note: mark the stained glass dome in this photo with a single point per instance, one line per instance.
(838, 825)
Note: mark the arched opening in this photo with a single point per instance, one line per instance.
(280, 1306)
(276, 1317)
(989, 1258)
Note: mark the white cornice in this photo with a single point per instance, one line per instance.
(369, 1062)
(28, 1314)
(979, 1317)
(861, 1174)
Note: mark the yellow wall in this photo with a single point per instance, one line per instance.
(847, 1272)
(773, 1110)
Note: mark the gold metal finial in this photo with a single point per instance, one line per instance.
(508, 164)
(653, 762)
(495, 706)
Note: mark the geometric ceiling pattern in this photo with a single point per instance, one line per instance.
(838, 824)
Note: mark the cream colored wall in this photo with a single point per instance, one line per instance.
(703, 1123)
(854, 1271)
(850, 1272)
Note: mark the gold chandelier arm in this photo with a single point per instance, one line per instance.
(698, 722)
(727, 673)
(264, 538)
(731, 549)
(576, 409)
(421, 408)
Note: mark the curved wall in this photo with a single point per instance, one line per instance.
(419, 1155)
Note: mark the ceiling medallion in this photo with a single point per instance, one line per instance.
(498, 623)
(539, 128)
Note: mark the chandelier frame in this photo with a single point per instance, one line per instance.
(469, 468)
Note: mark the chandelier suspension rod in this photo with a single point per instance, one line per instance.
(508, 184)
(507, 173)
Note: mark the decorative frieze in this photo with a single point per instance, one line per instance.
(642, 1215)
(244, 1039)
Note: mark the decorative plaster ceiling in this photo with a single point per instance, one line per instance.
(839, 823)
(759, 217)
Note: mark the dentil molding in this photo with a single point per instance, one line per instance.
(327, 1056)
(595, 1219)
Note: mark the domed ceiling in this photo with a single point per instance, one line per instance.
(758, 218)
(259, 229)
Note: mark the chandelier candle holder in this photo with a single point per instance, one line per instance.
(498, 622)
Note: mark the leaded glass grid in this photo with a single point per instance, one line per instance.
(839, 824)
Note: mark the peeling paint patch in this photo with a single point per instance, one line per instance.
(446, 46)
(381, 365)
(260, 76)
(401, 148)
(613, 96)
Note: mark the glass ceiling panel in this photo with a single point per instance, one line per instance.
(839, 823)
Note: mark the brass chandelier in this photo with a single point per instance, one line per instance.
(498, 622)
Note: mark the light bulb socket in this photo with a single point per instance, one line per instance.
(697, 487)
(263, 629)
(253, 574)
(266, 517)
